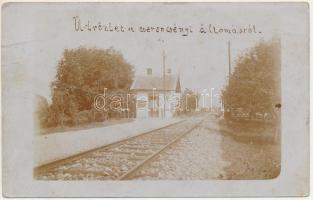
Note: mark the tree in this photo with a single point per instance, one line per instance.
(255, 82)
(188, 102)
(83, 73)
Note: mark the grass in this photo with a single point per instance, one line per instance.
(256, 131)
(251, 149)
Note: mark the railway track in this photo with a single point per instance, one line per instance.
(117, 161)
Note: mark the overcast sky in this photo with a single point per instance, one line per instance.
(35, 35)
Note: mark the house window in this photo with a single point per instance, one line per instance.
(149, 71)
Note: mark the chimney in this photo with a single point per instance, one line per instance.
(149, 71)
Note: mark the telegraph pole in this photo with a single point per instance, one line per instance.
(229, 73)
(229, 63)
(164, 93)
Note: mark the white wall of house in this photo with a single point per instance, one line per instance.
(142, 105)
(171, 104)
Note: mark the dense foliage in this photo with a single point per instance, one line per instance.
(255, 82)
(188, 102)
(82, 74)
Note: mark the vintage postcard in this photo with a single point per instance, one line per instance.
(155, 99)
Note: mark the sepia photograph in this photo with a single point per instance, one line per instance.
(149, 91)
(164, 126)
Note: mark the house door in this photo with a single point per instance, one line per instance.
(153, 106)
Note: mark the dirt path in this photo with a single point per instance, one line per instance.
(251, 161)
(251, 157)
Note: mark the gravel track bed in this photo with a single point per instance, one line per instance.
(111, 163)
(197, 156)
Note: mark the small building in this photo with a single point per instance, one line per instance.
(150, 91)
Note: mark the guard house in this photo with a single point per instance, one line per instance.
(150, 90)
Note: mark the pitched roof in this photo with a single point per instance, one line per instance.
(149, 82)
